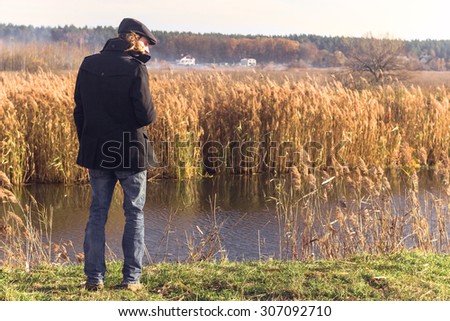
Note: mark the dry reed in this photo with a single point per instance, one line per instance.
(277, 123)
(26, 234)
(356, 213)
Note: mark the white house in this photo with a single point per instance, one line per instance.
(248, 62)
(186, 61)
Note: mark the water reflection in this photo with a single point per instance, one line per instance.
(175, 212)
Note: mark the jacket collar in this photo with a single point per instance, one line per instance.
(119, 45)
(115, 44)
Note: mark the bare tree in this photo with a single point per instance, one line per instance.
(376, 57)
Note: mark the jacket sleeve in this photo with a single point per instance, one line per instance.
(142, 98)
(78, 111)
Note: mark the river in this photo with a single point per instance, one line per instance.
(181, 214)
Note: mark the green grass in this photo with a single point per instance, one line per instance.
(406, 276)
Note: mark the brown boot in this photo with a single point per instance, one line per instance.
(93, 287)
(134, 287)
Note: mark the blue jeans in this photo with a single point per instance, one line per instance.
(102, 185)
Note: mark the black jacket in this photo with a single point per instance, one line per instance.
(113, 106)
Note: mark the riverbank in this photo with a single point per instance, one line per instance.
(406, 276)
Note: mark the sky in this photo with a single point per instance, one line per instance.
(410, 19)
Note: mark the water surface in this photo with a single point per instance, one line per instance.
(178, 212)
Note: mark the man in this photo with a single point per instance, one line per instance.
(113, 105)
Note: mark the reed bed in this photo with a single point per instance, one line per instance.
(37, 56)
(337, 214)
(232, 122)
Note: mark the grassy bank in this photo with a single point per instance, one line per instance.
(405, 276)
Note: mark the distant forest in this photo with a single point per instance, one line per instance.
(298, 50)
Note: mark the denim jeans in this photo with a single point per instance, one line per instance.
(102, 185)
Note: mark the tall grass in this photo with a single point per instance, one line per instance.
(317, 221)
(26, 232)
(252, 121)
(42, 56)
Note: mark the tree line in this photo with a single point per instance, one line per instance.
(300, 50)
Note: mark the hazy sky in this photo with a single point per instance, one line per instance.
(407, 19)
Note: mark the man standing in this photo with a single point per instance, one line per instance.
(113, 105)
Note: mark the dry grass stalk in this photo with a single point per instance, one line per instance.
(4, 180)
(26, 236)
(365, 219)
(206, 245)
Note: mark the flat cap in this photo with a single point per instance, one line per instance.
(132, 25)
